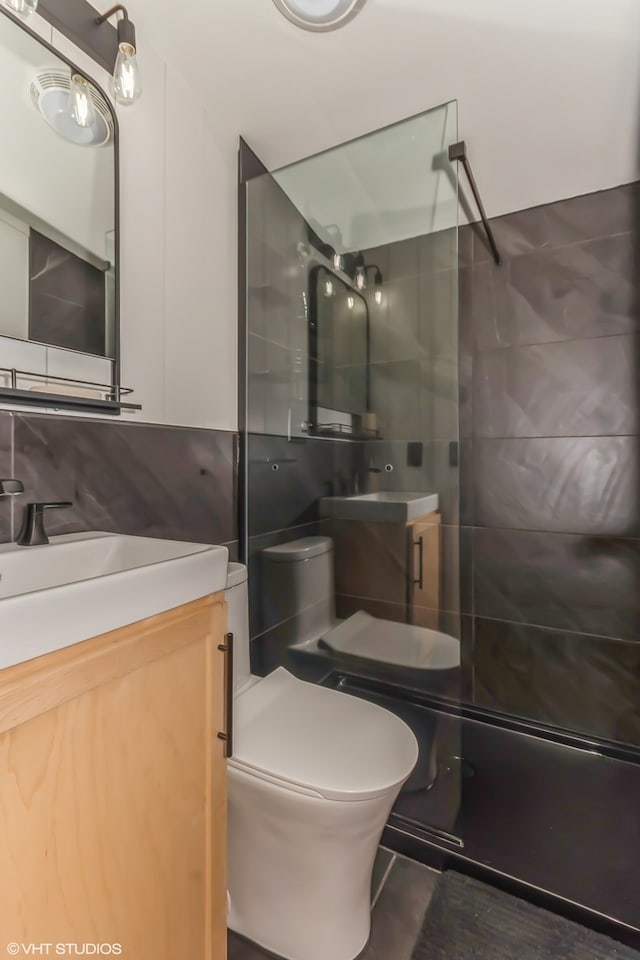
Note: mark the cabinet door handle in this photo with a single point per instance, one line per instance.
(227, 736)
(420, 581)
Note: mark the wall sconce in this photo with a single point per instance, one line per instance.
(360, 276)
(126, 75)
(114, 48)
(378, 293)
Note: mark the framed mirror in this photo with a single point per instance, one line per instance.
(59, 313)
(339, 357)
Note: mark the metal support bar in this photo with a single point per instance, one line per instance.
(458, 151)
(78, 21)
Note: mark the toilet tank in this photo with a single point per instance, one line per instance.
(298, 589)
(237, 597)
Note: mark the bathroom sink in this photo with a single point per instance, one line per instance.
(382, 507)
(84, 584)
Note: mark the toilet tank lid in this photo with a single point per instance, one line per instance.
(236, 574)
(303, 549)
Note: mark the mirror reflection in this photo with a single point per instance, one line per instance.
(57, 201)
(339, 394)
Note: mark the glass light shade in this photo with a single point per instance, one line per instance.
(127, 87)
(378, 296)
(360, 278)
(24, 7)
(81, 108)
(319, 14)
(338, 261)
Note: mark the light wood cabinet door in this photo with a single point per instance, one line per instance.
(113, 792)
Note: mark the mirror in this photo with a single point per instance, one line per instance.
(58, 225)
(339, 356)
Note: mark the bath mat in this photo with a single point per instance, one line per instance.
(467, 920)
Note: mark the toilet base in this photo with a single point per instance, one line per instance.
(300, 868)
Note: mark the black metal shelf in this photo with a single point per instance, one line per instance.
(63, 402)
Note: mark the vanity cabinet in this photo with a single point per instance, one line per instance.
(391, 570)
(423, 540)
(113, 792)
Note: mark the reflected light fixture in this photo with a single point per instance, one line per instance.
(378, 295)
(126, 84)
(338, 261)
(329, 289)
(81, 108)
(351, 302)
(22, 7)
(319, 14)
(360, 276)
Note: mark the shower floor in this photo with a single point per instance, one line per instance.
(561, 819)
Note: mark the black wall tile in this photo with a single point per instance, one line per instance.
(583, 584)
(466, 481)
(258, 623)
(140, 480)
(6, 503)
(574, 292)
(564, 222)
(307, 470)
(584, 485)
(572, 388)
(587, 684)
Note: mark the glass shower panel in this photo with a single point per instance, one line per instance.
(352, 436)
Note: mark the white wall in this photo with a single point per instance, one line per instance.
(42, 173)
(178, 255)
(14, 257)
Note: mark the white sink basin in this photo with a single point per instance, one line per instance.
(383, 507)
(84, 584)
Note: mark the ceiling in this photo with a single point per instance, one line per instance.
(547, 90)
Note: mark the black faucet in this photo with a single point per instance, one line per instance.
(33, 532)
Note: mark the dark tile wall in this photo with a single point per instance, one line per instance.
(550, 441)
(539, 382)
(137, 479)
(286, 480)
(287, 471)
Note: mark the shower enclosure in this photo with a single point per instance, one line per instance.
(361, 400)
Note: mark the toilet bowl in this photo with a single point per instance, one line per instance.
(313, 778)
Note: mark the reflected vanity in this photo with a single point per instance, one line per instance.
(59, 323)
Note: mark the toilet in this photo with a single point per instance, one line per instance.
(299, 596)
(313, 777)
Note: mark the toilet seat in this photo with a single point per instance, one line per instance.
(320, 741)
(398, 644)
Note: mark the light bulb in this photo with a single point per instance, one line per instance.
(24, 7)
(351, 302)
(81, 108)
(328, 288)
(338, 261)
(360, 278)
(378, 291)
(127, 87)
